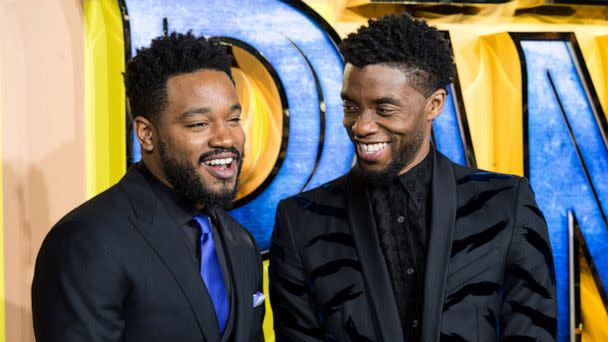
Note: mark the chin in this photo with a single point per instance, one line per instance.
(222, 190)
(376, 167)
(218, 185)
(378, 175)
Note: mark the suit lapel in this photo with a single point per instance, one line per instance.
(154, 224)
(443, 214)
(375, 273)
(237, 257)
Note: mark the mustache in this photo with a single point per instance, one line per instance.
(217, 151)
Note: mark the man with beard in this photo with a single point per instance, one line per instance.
(408, 245)
(156, 257)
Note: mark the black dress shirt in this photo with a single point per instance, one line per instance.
(402, 214)
(182, 211)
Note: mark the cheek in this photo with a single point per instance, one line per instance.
(191, 147)
(404, 125)
(396, 127)
(348, 123)
(241, 135)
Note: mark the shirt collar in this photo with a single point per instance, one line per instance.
(180, 208)
(417, 180)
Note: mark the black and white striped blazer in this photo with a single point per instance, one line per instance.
(489, 269)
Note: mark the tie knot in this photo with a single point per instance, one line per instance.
(203, 223)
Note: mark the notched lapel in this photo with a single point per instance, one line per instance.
(443, 216)
(238, 259)
(155, 226)
(375, 272)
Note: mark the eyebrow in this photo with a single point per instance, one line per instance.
(235, 107)
(201, 110)
(386, 99)
(345, 97)
(206, 110)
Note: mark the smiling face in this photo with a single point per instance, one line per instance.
(388, 121)
(196, 144)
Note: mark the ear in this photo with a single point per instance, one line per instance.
(144, 131)
(435, 102)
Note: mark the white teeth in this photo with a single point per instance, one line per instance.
(372, 148)
(221, 161)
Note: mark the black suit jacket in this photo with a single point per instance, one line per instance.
(489, 269)
(117, 268)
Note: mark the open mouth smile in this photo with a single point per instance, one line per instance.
(372, 151)
(221, 167)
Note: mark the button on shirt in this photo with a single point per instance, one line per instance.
(402, 214)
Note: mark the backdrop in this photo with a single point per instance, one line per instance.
(528, 100)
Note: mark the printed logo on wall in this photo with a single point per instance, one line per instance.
(566, 159)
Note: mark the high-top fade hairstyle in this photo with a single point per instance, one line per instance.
(147, 74)
(401, 41)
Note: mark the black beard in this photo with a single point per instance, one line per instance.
(399, 159)
(183, 177)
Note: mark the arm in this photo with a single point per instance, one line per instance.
(530, 301)
(78, 290)
(294, 318)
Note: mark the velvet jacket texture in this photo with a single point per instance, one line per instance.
(489, 270)
(117, 268)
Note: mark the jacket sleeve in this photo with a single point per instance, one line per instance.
(529, 306)
(78, 290)
(294, 317)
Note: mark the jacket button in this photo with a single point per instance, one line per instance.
(415, 323)
(410, 271)
(400, 219)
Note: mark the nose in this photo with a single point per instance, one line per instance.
(364, 125)
(221, 136)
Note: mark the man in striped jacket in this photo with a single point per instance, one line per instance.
(409, 245)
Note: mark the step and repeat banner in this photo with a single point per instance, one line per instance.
(527, 100)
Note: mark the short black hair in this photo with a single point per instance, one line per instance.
(169, 55)
(402, 41)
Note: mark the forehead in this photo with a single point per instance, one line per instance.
(374, 79)
(202, 87)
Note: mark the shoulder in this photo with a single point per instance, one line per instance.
(91, 223)
(110, 206)
(499, 194)
(326, 199)
(303, 217)
(473, 180)
(103, 205)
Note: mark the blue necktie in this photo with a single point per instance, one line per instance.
(211, 272)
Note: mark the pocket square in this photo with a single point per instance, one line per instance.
(258, 299)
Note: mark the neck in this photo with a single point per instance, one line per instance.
(156, 170)
(159, 175)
